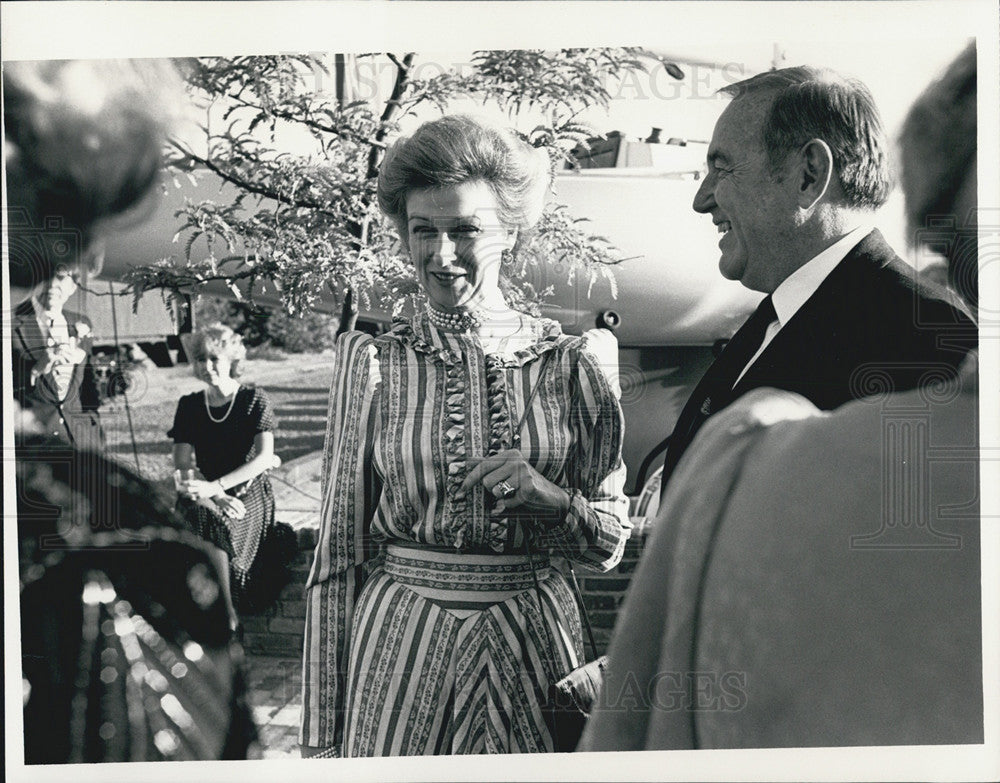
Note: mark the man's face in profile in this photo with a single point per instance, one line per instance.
(747, 201)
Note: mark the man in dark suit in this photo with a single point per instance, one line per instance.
(797, 167)
(53, 374)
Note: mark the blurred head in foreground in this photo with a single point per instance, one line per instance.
(82, 143)
(938, 172)
(114, 590)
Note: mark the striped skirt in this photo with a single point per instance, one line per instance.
(454, 653)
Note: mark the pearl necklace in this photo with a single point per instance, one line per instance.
(465, 321)
(229, 410)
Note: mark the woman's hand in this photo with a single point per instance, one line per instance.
(516, 484)
(202, 490)
(230, 506)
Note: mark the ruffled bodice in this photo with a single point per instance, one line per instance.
(430, 401)
(478, 394)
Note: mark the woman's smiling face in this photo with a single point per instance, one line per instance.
(456, 238)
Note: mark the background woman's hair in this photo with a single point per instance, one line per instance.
(460, 148)
(219, 339)
(83, 143)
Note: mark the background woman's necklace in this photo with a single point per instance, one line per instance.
(208, 409)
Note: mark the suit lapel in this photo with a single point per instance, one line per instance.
(713, 391)
(803, 343)
(28, 335)
(28, 339)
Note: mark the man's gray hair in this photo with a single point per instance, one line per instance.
(813, 103)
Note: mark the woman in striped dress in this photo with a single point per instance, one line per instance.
(464, 449)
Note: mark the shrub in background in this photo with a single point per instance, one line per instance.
(266, 332)
(306, 333)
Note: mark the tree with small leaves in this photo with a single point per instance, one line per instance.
(308, 222)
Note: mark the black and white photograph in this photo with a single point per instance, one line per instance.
(609, 388)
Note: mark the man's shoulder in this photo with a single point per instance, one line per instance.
(875, 258)
(888, 312)
(874, 269)
(25, 333)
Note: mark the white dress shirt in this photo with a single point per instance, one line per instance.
(55, 331)
(796, 289)
(52, 323)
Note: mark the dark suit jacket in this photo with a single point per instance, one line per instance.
(871, 327)
(76, 410)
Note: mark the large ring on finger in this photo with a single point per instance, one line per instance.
(504, 490)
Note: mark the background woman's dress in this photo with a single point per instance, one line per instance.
(434, 643)
(221, 447)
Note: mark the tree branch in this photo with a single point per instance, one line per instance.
(310, 123)
(253, 187)
(391, 106)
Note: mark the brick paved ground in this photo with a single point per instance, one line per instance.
(275, 697)
(277, 631)
(275, 679)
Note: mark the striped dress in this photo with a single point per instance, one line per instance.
(425, 633)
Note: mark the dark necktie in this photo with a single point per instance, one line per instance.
(714, 390)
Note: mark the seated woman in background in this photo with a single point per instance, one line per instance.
(468, 439)
(223, 444)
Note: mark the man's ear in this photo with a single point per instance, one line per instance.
(815, 172)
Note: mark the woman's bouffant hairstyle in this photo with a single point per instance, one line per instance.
(460, 148)
(219, 339)
(83, 143)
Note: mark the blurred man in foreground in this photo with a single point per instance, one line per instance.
(126, 651)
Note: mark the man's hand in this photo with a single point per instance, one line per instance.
(56, 356)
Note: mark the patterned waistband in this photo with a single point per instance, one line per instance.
(485, 578)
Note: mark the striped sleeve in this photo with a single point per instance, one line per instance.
(597, 526)
(350, 491)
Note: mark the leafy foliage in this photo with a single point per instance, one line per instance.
(268, 332)
(302, 163)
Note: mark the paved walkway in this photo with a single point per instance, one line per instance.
(276, 698)
(296, 491)
(275, 682)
